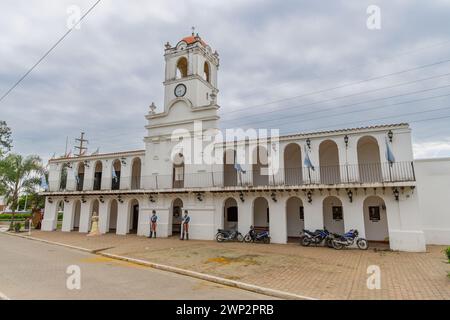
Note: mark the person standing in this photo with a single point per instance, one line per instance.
(153, 222)
(185, 226)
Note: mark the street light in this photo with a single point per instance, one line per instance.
(390, 135)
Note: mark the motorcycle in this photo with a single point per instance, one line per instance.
(317, 237)
(349, 239)
(253, 236)
(228, 235)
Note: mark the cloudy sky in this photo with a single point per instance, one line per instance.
(294, 65)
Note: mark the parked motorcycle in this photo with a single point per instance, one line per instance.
(317, 238)
(349, 239)
(254, 236)
(228, 235)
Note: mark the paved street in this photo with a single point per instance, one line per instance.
(35, 270)
(314, 271)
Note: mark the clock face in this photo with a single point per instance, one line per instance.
(180, 90)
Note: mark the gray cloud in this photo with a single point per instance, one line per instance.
(102, 78)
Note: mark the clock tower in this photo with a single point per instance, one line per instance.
(190, 108)
(191, 72)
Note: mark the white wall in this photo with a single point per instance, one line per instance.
(433, 184)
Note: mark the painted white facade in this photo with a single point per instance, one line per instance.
(352, 185)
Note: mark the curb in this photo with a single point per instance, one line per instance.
(202, 276)
(50, 242)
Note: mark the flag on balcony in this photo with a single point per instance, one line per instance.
(307, 161)
(77, 178)
(44, 184)
(114, 175)
(238, 168)
(389, 154)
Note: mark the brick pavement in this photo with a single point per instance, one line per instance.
(314, 271)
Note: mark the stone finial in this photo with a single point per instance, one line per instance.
(152, 108)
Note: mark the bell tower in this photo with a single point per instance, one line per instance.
(191, 72)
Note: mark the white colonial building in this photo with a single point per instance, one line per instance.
(339, 179)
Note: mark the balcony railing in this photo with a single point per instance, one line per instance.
(325, 175)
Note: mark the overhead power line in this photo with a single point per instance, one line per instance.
(282, 109)
(47, 53)
(342, 86)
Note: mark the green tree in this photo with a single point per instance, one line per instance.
(5, 138)
(19, 175)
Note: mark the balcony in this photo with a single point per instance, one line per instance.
(372, 173)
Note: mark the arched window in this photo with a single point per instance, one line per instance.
(63, 178)
(80, 177)
(178, 171)
(293, 165)
(206, 72)
(136, 174)
(369, 160)
(98, 175)
(329, 162)
(117, 166)
(182, 68)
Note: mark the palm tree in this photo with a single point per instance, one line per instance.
(19, 175)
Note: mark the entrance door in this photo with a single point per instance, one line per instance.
(231, 218)
(135, 217)
(176, 222)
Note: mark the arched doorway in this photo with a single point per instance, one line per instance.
(63, 178)
(182, 68)
(230, 175)
(293, 165)
(133, 216)
(261, 214)
(230, 211)
(333, 215)
(116, 172)
(295, 217)
(206, 72)
(112, 216)
(80, 177)
(59, 214)
(176, 217)
(98, 175)
(369, 161)
(76, 215)
(375, 219)
(95, 206)
(329, 163)
(178, 171)
(136, 174)
(260, 161)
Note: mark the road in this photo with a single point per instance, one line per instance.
(36, 270)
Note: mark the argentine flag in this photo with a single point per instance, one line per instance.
(389, 154)
(307, 161)
(44, 184)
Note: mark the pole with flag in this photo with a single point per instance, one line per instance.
(308, 164)
(238, 168)
(390, 158)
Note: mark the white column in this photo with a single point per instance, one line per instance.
(50, 215)
(67, 225)
(54, 175)
(405, 231)
(71, 182)
(122, 218)
(107, 175)
(278, 220)
(89, 176)
(245, 214)
(85, 217)
(103, 221)
(354, 214)
(313, 213)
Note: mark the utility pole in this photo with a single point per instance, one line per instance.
(81, 148)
